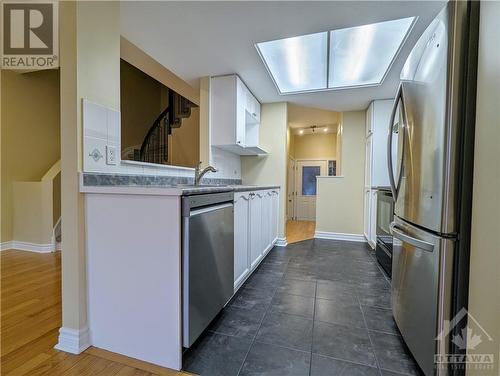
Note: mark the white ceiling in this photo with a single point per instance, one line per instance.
(196, 39)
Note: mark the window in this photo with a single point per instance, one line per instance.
(309, 174)
(350, 57)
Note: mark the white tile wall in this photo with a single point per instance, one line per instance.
(227, 164)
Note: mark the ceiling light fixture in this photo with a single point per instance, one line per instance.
(337, 59)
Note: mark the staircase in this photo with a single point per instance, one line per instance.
(154, 148)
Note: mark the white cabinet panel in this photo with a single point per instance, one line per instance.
(275, 215)
(373, 218)
(241, 243)
(381, 118)
(266, 220)
(368, 161)
(366, 216)
(369, 120)
(256, 251)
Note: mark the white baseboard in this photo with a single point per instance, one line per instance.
(73, 341)
(26, 246)
(281, 242)
(339, 236)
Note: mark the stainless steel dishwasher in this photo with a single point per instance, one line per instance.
(207, 260)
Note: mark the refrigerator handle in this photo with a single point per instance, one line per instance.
(394, 186)
(397, 233)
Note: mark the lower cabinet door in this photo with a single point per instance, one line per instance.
(373, 219)
(266, 221)
(241, 243)
(275, 197)
(366, 214)
(255, 233)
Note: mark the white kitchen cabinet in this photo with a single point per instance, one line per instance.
(369, 120)
(376, 170)
(275, 197)
(255, 233)
(377, 128)
(368, 161)
(234, 116)
(256, 218)
(366, 215)
(372, 236)
(241, 240)
(266, 221)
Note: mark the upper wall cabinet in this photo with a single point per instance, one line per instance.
(377, 128)
(234, 116)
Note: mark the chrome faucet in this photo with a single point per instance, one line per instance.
(198, 174)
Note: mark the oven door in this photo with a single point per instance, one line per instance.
(385, 214)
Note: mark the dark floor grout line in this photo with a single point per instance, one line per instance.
(346, 361)
(262, 320)
(370, 338)
(313, 322)
(283, 347)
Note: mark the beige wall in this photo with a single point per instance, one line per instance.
(314, 146)
(30, 135)
(142, 99)
(90, 68)
(270, 169)
(484, 290)
(186, 141)
(339, 205)
(140, 104)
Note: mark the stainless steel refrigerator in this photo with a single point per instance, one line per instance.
(432, 182)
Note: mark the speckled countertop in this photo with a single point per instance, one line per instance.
(160, 185)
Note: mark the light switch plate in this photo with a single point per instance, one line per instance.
(110, 155)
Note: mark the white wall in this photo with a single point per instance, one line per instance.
(339, 202)
(270, 169)
(484, 289)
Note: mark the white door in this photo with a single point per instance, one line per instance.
(255, 229)
(290, 187)
(305, 199)
(241, 245)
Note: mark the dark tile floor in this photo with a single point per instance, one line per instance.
(318, 307)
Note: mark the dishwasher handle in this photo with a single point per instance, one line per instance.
(210, 208)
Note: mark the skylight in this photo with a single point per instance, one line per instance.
(299, 63)
(351, 57)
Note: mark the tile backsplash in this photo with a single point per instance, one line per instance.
(227, 164)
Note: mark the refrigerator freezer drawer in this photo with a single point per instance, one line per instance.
(421, 289)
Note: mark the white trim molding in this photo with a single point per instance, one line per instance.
(340, 236)
(26, 246)
(281, 242)
(74, 341)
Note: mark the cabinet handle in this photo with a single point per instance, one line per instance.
(254, 114)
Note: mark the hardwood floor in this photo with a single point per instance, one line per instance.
(31, 318)
(297, 231)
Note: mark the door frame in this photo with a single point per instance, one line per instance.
(290, 187)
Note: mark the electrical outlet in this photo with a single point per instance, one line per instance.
(110, 155)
